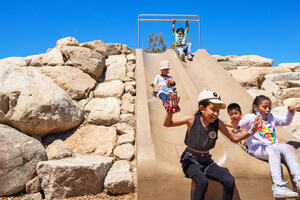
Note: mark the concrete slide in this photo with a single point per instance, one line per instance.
(159, 172)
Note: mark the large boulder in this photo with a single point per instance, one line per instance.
(123, 128)
(293, 83)
(76, 176)
(85, 59)
(247, 77)
(271, 86)
(128, 98)
(35, 196)
(128, 118)
(18, 159)
(104, 111)
(36, 60)
(126, 138)
(67, 41)
(292, 102)
(34, 104)
(53, 57)
(96, 45)
(292, 66)
(115, 71)
(120, 59)
(113, 48)
(252, 60)
(119, 179)
(93, 139)
(33, 186)
(271, 70)
(127, 108)
(74, 81)
(18, 61)
(256, 92)
(58, 150)
(282, 111)
(254, 76)
(283, 76)
(131, 58)
(110, 89)
(124, 151)
(290, 93)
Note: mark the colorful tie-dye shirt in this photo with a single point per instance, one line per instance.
(266, 133)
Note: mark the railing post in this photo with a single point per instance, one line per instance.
(167, 15)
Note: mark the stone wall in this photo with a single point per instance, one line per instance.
(258, 76)
(78, 100)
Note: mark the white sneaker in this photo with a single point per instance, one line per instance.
(189, 57)
(297, 182)
(281, 191)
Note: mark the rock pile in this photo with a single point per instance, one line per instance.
(79, 100)
(281, 83)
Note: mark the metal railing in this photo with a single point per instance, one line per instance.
(167, 20)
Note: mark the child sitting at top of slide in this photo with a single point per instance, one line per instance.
(165, 84)
(182, 47)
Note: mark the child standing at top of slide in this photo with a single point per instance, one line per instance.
(200, 138)
(182, 47)
(165, 84)
(264, 144)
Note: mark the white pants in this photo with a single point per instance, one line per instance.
(273, 153)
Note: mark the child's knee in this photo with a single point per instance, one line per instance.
(200, 181)
(229, 182)
(286, 148)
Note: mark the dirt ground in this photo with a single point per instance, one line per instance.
(101, 196)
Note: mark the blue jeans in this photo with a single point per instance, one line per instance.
(187, 49)
(164, 97)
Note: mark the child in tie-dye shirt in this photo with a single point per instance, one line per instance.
(264, 144)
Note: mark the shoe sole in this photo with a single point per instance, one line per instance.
(285, 196)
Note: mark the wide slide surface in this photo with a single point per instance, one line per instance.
(159, 148)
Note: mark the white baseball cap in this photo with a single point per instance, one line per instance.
(164, 65)
(213, 97)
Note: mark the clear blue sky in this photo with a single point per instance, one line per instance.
(268, 28)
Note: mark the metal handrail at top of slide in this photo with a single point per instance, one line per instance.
(167, 20)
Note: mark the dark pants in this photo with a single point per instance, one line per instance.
(165, 98)
(199, 167)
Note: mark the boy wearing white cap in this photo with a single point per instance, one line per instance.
(201, 136)
(165, 84)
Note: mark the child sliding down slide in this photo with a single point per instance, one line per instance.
(264, 144)
(165, 84)
(201, 136)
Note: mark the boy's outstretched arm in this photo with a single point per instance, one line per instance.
(187, 26)
(173, 25)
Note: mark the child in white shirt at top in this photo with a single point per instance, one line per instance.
(165, 84)
(264, 144)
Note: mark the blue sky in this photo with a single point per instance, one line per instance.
(269, 28)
